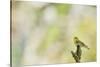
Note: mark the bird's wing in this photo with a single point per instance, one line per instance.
(83, 45)
(80, 43)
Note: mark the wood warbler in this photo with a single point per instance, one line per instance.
(78, 42)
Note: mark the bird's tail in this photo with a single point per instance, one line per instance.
(87, 47)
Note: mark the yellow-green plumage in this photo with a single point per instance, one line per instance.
(78, 42)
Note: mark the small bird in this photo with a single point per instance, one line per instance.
(78, 42)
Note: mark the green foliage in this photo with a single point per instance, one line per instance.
(63, 9)
(52, 34)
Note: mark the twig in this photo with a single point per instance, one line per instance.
(77, 54)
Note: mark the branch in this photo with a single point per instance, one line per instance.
(77, 55)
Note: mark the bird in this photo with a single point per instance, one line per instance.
(80, 43)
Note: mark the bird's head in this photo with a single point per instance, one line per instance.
(76, 39)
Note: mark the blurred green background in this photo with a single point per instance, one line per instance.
(42, 33)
